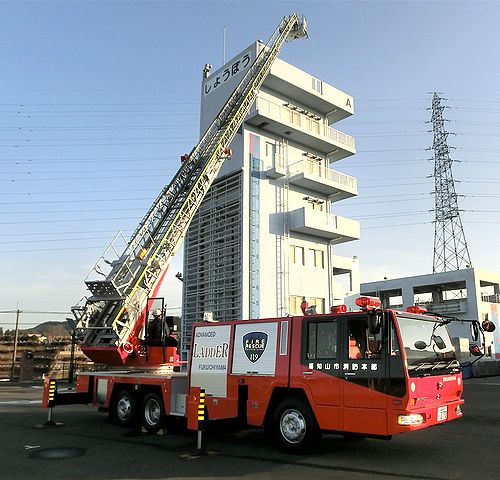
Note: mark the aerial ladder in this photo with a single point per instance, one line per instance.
(110, 321)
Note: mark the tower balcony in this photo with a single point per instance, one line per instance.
(323, 98)
(288, 121)
(446, 307)
(311, 175)
(325, 225)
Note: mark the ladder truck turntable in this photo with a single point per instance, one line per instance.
(370, 373)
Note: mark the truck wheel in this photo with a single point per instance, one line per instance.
(124, 409)
(294, 425)
(152, 412)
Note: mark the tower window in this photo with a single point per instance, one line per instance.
(297, 254)
(316, 258)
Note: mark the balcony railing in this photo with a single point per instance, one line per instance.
(495, 298)
(315, 170)
(333, 227)
(446, 306)
(305, 122)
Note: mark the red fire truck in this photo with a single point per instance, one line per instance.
(370, 373)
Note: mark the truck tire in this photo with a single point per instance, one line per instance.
(124, 408)
(295, 426)
(152, 413)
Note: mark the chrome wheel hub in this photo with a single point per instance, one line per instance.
(152, 412)
(292, 426)
(123, 408)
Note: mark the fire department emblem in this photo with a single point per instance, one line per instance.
(254, 344)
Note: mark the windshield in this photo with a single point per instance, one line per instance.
(427, 345)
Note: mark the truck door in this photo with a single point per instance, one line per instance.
(316, 367)
(364, 374)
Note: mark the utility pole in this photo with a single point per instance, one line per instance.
(16, 335)
(71, 373)
(450, 248)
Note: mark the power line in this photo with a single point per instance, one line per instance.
(38, 128)
(70, 162)
(171, 113)
(62, 233)
(72, 220)
(78, 178)
(89, 104)
(71, 192)
(90, 200)
(53, 240)
(413, 199)
(388, 134)
(395, 225)
(392, 185)
(113, 169)
(385, 178)
(93, 139)
(415, 149)
(23, 112)
(75, 211)
(377, 216)
(94, 144)
(59, 249)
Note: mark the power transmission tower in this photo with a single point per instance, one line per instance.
(450, 247)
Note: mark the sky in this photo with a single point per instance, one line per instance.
(99, 99)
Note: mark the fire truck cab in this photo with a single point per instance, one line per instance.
(368, 373)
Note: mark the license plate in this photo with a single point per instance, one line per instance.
(442, 414)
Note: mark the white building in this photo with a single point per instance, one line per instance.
(469, 294)
(263, 237)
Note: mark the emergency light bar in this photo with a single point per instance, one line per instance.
(368, 302)
(338, 309)
(416, 309)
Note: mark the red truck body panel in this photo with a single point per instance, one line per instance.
(247, 368)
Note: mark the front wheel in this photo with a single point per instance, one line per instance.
(152, 413)
(294, 425)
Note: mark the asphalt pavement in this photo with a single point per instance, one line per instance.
(88, 446)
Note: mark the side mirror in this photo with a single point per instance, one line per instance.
(420, 345)
(439, 342)
(474, 330)
(310, 310)
(475, 351)
(488, 326)
(374, 321)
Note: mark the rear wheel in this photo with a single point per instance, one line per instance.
(152, 413)
(294, 425)
(124, 409)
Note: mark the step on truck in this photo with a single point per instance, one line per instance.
(370, 373)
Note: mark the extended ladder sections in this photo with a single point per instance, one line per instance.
(120, 283)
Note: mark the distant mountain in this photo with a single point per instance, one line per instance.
(51, 329)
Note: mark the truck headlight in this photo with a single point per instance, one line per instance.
(411, 419)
